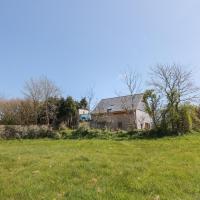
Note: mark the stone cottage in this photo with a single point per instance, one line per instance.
(124, 112)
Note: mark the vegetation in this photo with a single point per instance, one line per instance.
(119, 166)
(27, 132)
(42, 105)
(83, 132)
(162, 169)
(171, 101)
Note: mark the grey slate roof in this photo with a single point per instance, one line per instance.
(121, 103)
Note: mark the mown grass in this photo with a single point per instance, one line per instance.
(165, 169)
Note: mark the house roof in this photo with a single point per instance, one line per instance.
(121, 103)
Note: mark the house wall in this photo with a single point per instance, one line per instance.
(83, 111)
(143, 120)
(123, 121)
(113, 121)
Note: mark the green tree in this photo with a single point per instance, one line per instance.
(67, 112)
(175, 86)
(83, 103)
(48, 111)
(186, 114)
(152, 103)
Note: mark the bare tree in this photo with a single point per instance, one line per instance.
(90, 95)
(27, 112)
(32, 91)
(49, 90)
(40, 91)
(176, 86)
(175, 83)
(10, 112)
(132, 82)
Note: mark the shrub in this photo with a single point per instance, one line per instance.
(86, 132)
(83, 132)
(26, 132)
(56, 135)
(65, 133)
(62, 126)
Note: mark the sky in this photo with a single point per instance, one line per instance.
(81, 44)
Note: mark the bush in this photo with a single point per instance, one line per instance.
(56, 135)
(26, 132)
(85, 132)
(62, 126)
(65, 133)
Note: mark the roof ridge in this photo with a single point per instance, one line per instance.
(122, 96)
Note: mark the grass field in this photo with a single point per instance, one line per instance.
(162, 169)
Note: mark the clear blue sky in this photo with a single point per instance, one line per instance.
(79, 43)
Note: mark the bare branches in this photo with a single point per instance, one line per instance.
(175, 83)
(90, 95)
(32, 90)
(40, 89)
(176, 87)
(132, 81)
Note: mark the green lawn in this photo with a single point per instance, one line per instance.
(162, 169)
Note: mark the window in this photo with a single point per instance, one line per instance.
(147, 126)
(119, 125)
(109, 110)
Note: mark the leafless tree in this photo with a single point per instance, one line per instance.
(132, 81)
(10, 112)
(49, 90)
(90, 97)
(26, 112)
(175, 86)
(174, 83)
(32, 91)
(39, 91)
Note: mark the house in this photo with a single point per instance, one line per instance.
(124, 112)
(84, 115)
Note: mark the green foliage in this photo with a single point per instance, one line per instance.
(83, 103)
(186, 116)
(65, 133)
(85, 132)
(67, 112)
(173, 118)
(196, 118)
(151, 102)
(48, 111)
(52, 112)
